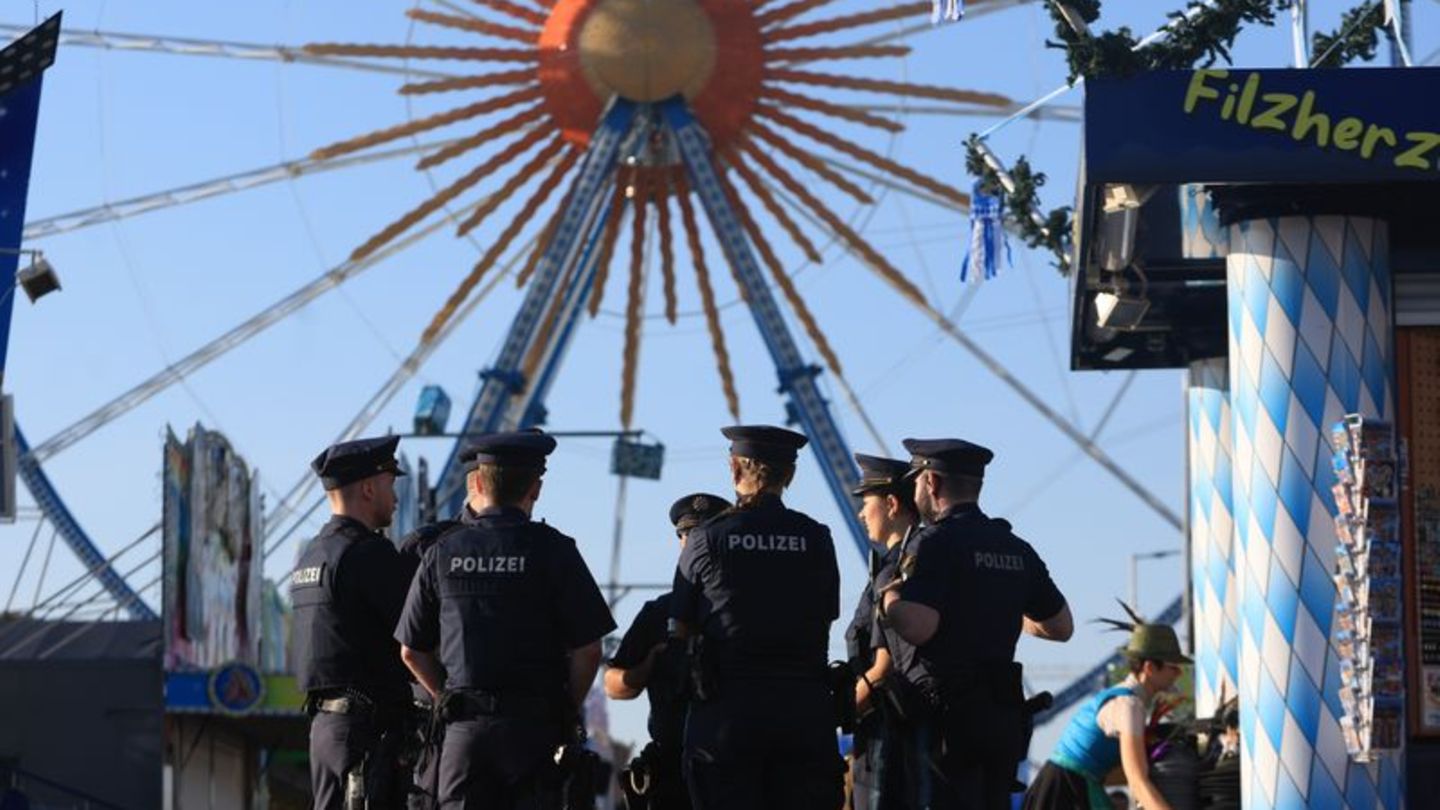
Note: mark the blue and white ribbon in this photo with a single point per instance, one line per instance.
(987, 235)
(947, 10)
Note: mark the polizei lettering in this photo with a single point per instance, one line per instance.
(767, 542)
(487, 565)
(306, 576)
(999, 562)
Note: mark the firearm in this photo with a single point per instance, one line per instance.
(580, 770)
(841, 677)
(1036, 704)
(700, 669)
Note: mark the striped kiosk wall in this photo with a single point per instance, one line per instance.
(1216, 601)
(1310, 340)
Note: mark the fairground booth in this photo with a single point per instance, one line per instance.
(1272, 233)
(234, 734)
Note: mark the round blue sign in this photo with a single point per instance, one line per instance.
(236, 688)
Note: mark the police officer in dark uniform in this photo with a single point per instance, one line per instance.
(648, 660)
(755, 592)
(968, 588)
(347, 590)
(885, 696)
(503, 626)
(427, 765)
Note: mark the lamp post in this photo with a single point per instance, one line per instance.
(1135, 571)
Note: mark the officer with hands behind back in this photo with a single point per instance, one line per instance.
(347, 590)
(968, 587)
(503, 625)
(649, 660)
(755, 591)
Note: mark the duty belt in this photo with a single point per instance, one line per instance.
(339, 701)
(466, 704)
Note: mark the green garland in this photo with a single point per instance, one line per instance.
(1356, 38)
(1205, 36)
(1023, 204)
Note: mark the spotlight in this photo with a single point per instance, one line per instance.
(39, 279)
(1119, 219)
(1116, 310)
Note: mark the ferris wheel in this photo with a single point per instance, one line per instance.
(585, 149)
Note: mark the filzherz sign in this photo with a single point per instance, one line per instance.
(1265, 126)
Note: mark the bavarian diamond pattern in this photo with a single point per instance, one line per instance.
(1212, 534)
(1310, 340)
(1201, 234)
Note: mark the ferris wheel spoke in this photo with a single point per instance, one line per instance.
(238, 335)
(977, 9)
(215, 48)
(907, 290)
(1067, 114)
(892, 184)
(220, 186)
(403, 373)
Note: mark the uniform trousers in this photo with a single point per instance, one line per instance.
(982, 743)
(500, 762)
(764, 745)
(338, 744)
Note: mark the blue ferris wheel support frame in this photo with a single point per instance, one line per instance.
(507, 400)
(797, 377)
(74, 536)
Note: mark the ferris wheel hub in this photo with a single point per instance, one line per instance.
(709, 51)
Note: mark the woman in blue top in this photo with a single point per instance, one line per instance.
(1109, 729)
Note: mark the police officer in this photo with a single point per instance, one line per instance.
(968, 587)
(503, 626)
(347, 590)
(649, 661)
(756, 590)
(427, 765)
(886, 695)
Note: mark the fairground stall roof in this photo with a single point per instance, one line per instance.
(1172, 157)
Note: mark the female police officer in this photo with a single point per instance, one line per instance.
(757, 589)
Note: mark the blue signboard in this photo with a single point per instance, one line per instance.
(1360, 125)
(21, 64)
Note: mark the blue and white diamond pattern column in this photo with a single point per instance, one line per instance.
(1212, 564)
(1310, 340)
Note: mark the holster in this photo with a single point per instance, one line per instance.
(701, 670)
(841, 678)
(375, 784)
(580, 770)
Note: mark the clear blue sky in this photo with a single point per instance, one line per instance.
(146, 291)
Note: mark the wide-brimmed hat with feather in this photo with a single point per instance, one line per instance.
(1148, 642)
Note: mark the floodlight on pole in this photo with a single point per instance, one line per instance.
(39, 279)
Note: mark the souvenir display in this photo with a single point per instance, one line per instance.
(1368, 635)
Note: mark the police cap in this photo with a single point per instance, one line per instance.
(878, 474)
(692, 510)
(520, 448)
(764, 442)
(348, 462)
(952, 456)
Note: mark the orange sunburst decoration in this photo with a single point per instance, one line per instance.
(745, 70)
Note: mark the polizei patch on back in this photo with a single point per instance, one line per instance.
(999, 562)
(306, 576)
(766, 542)
(487, 565)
